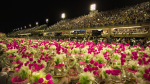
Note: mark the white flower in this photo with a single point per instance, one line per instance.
(99, 58)
(53, 47)
(103, 51)
(12, 51)
(133, 49)
(104, 70)
(60, 57)
(88, 56)
(75, 50)
(126, 47)
(113, 46)
(33, 50)
(128, 52)
(133, 64)
(3, 45)
(84, 50)
(88, 74)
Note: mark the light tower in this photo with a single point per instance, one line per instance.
(46, 22)
(93, 9)
(36, 23)
(63, 15)
(29, 25)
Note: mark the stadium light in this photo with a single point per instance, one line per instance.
(63, 15)
(46, 20)
(93, 7)
(36, 23)
(29, 25)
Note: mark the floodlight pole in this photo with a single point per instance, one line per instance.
(47, 22)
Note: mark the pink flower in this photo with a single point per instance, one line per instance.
(94, 72)
(34, 62)
(31, 59)
(33, 70)
(143, 59)
(49, 57)
(50, 82)
(40, 80)
(48, 77)
(95, 68)
(85, 69)
(108, 71)
(34, 83)
(21, 63)
(17, 69)
(140, 60)
(145, 62)
(146, 71)
(42, 66)
(25, 64)
(92, 61)
(18, 61)
(145, 76)
(140, 63)
(148, 78)
(122, 63)
(148, 60)
(39, 61)
(90, 69)
(96, 63)
(88, 66)
(100, 65)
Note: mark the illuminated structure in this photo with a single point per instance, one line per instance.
(36, 23)
(93, 9)
(29, 25)
(63, 15)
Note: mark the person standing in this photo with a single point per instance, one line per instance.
(129, 41)
(3, 76)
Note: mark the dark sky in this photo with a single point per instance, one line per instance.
(20, 13)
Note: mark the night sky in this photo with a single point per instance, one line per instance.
(20, 13)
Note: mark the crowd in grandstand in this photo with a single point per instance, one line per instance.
(132, 14)
(130, 31)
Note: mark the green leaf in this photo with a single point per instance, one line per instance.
(118, 63)
(23, 74)
(134, 67)
(116, 57)
(57, 61)
(105, 74)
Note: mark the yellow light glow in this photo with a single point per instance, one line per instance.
(63, 15)
(93, 7)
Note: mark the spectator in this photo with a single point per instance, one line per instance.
(3, 76)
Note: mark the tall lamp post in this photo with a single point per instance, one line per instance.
(36, 23)
(93, 7)
(46, 22)
(63, 15)
(29, 25)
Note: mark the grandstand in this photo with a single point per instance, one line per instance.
(131, 21)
